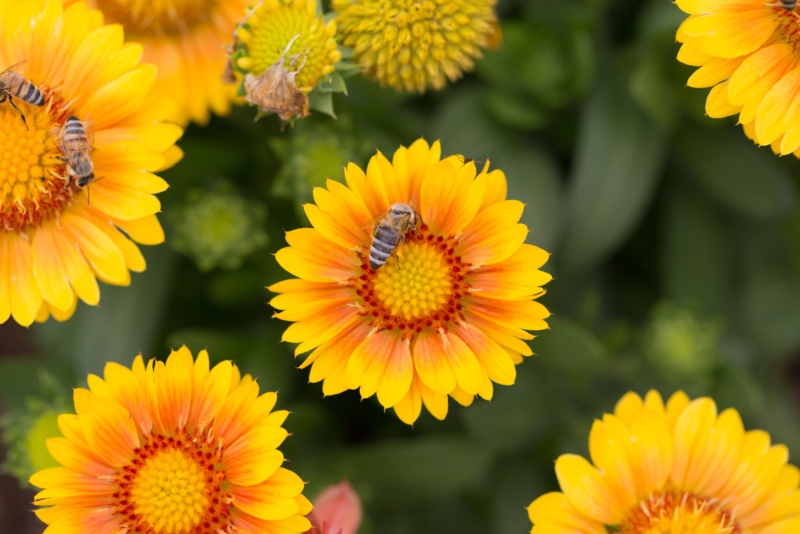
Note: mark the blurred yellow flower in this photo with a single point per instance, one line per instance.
(186, 40)
(747, 52)
(448, 316)
(417, 44)
(169, 448)
(679, 468)
(56, 241)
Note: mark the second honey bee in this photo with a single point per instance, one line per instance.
(15, 85)
(390, 231)
(75, 141)
(789, 5)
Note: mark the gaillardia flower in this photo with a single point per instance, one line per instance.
(186, 40)
(286, 49)
(57, 239)
(679, 468)
(747, 52)
(171, 448)
(447, 315)
(417, 44)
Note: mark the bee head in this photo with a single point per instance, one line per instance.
(86, 180)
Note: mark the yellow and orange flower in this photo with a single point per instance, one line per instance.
(57, 241)
(171, 448)
(748, 52)
(186, 40)
(449, 317)
(679, 468)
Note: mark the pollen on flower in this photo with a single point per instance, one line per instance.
(31, 171)
(172, 486)
(420, 288)
(679, 512)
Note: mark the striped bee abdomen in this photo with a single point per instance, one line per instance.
(789, 5)
(383, 244)
(27, 92)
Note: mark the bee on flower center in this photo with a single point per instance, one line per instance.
(390, 231)
(789, 5)
(75, 141)
(14, 84)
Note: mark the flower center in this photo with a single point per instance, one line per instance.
(270, 31)
(172, 486)
(421, 287)
(679, 513)
(31, 183)
(158, 17)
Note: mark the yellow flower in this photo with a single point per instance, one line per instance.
(270, 29)
(417, 44)
(186, 40)
(679, 468)
(447, 317)
(171, 449)
(747, 52)
(56, 241)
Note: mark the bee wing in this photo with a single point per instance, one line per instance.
(88, 125)
(371, 223)
(14, 67)
(55, 135)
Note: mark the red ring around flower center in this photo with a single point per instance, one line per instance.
(422, 288)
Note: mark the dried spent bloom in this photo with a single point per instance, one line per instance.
(445, 316)
(171, 448)
(276, 90)
(679, 468)
(285, 50)
(337, 510)
(56, 240)
(747, 52)
(186, 40)
(417, 44)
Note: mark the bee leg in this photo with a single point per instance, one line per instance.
(21, 114)
(396, 248)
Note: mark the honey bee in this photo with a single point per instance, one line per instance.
(75, 141)
(14, 84)
(789, 5)
(390, 231)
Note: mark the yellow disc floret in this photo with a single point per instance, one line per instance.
(272, 26)
(413, 44)
(32, 177)
(418, 287)
(170, 492)
(158, 17)
(671, 513)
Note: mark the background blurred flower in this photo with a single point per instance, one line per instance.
(746, 52)
(186, 40)
(337, 510)
(682, 344)
(676, 468)
(55, 242)
(448, 318)
(26, 429)
(413, 45)
(218, 227)
(171, 447)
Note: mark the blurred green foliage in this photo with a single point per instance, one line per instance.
(675, 248)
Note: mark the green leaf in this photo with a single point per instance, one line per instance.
(739, 175)
(22, 377)
(617, 163)
(321, 101)
(416, 470)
